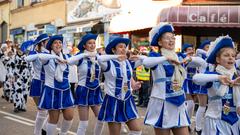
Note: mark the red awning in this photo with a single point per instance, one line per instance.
(202, 16)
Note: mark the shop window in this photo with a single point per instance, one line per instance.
(20, 3)
(18, 39)
(40, 31)
(31, 35)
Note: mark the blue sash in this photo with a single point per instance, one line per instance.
(94, 83)
(119, 80)
(190, 72)
(65, 83)
(232, 116)
(175, 97)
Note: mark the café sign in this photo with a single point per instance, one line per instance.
(199, 15)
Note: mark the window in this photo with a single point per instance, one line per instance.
(20, 3)
(40, 31)
(4, 30)
(34, 1)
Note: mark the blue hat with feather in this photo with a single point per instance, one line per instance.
(216, 46)
(41, 38)
(158, 31)
(52, 39)
(114, 41)
(84, 40)
(25, 45)
(204, 43)
(185, 46)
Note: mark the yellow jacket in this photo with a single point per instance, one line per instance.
(142, 74)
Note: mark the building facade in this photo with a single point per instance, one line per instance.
(84, 16)
(32, 17)
(4, 20)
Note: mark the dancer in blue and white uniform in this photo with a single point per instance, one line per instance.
(166, 109)
(223, 87)
(188, 86)
(56, 96)
(88, 93)
(202, 93)
(203, 49)
(118, 105)
(37, 82)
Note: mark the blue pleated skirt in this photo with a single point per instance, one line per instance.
(88, 97)
(52, 99)
(116, 110)
(189, 87)
(36, 88)
(203, 90)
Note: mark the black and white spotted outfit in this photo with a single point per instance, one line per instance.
(21, 84)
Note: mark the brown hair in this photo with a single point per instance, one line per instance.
(39, 45)
(223, 50)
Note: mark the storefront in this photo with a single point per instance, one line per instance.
(17, 35)
(33, 21)
(197, 23)
(31, 35)
(31, 32)
(140, 40)
(138, 21)
(73, 33)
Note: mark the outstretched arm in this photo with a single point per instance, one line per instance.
(45, 57)
(150, 62)
(31, 58)
(103, 59)
(196, 62)
(74, 59)
(139, 60)
(202, 79)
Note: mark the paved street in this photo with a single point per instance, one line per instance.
(22, 123)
